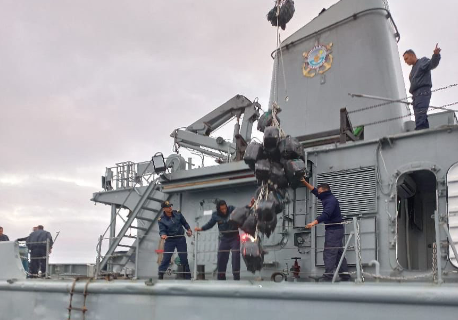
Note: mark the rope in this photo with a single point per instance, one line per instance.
(443, 107)
(403, 100)
(283, 69)
(279, 3)
(383, 121)
(398, 278)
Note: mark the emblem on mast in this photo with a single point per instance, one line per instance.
(317, 60)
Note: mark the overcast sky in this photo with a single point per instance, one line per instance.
(85, 84)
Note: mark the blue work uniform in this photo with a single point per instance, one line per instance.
(334, 235)
(172, 227)
(420, 88)
(36, 242)
(229, 241)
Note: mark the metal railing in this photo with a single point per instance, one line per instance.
(353, 242)
(45, 257)
(195, 252)
(128, 174)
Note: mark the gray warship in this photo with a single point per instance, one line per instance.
(400, 202)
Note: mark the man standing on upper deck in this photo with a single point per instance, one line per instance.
(36, 242)
(420, 84)
(334, 234)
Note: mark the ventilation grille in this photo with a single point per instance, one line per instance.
(356, 190)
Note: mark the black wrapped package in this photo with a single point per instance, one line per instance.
(239, 215)
(275, 197)
(262, 170)
(267, 227)
(277, 175)
(252, 254)
(253, 153)
(265, 121)
(249, 226)
(265, 210)
(291, 148)
(285, 15)
(271, 139)
(295, 170)
(273, 155)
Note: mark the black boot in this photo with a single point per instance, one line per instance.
(160, 276)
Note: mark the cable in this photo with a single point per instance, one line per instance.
(402, 100)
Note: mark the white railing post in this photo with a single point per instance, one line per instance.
(47, 258)
(196, 237)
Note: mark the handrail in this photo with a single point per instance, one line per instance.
(124, 202)
(335, 24)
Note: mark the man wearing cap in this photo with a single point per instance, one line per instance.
(334, 231)
(171, 225)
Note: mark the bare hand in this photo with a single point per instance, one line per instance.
(189, 233)
(437, 50)
(311, 224)
(197, 229)
(252, 202)
(164, 236)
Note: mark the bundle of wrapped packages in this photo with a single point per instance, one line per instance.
(278, 164)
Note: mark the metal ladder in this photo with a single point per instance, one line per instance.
(149, 201)
(83, 309)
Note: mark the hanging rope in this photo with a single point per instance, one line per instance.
(279, 59)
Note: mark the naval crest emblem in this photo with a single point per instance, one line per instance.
(317, 60)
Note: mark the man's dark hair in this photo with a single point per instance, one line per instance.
(220, 203)
(40, 227)
(1, 227)
(324, 186)
(410, 51)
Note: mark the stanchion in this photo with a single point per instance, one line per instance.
(47, 259)
(357, 256)
(196, 237)
(137, 246)
(342, 257)
(99, 249)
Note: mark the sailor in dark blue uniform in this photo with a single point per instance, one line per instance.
(229, 239)
(3, 237)
(334, 233)
(420, 84)
(171, 225)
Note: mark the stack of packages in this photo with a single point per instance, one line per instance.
(285, 13)
(278, 163)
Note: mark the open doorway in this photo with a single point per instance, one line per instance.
(416, 204)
